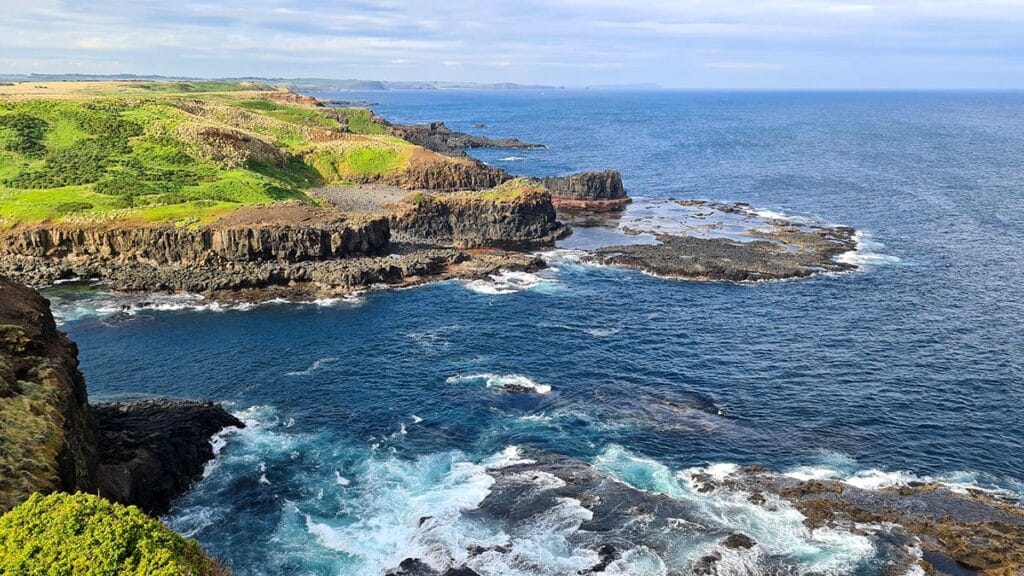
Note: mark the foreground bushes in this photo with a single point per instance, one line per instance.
(82, 535)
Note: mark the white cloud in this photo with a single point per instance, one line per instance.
(803, 42)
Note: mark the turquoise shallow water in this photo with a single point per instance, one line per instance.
(370, 414)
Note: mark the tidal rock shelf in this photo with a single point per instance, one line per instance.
(726, 242)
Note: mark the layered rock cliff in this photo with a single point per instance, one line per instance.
(311, 235)
(52, 439)
(514, 215)
(587, 190)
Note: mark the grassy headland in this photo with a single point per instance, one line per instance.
(181, 152)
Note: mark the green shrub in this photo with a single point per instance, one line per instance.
(85, 163)
(28, 133)
(82, 535)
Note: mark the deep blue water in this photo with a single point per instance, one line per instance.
(912, 366)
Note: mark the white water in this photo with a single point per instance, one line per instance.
(509, 382)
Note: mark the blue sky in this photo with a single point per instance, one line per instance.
(682, 43)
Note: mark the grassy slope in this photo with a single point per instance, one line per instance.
(176, 152)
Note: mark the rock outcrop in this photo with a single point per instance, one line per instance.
(517, 219)
(595, 191)
(439, 138)
(452, 176)
(152, 451)
(52, 439)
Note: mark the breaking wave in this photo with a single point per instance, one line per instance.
(506, 382)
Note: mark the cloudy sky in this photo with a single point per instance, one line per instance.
(680, 43)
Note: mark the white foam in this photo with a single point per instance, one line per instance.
(510, 456)
(509, 382)
(341, 480)
(602, 332)
(513, 158)
(867, 253)
(316, 365)
(506, 282)
(416, 419)
(778, 528)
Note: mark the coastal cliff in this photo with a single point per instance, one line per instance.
(514, 215)
(48, 431)
(53, 440)
(290, 233)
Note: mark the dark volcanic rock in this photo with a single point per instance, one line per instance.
(439, 138)
(416, 567)
(593, 191)
(465, 221)
(787, 252)
(150, 452)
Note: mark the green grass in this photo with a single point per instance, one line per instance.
(113, 159)
(82, 535)
(198, 87)
(179, 152)
(356, 162)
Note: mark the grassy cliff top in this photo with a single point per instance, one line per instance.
(89, 536)
(180, 152)
(517, 189)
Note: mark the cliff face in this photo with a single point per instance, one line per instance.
(470, 221)
(167, 244)
(588, 190)
(47, 431)
(51, 439)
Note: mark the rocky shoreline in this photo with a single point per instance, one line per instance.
(144, 453)
(416, 229)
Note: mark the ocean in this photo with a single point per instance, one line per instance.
(367, 414)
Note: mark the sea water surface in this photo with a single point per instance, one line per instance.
(366, 415)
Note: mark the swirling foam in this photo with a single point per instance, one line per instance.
(507, 283)
(508, 382)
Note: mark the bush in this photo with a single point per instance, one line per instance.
(82, 535)
(85, 163)
(28, 133)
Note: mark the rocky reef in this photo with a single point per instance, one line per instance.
(592, 191)
(611, 527)
(730, 242)
(53, 440)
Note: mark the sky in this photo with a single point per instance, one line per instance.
(698, 44)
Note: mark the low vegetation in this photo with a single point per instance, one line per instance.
(82, 535)
(184, 152)
(31, 422)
